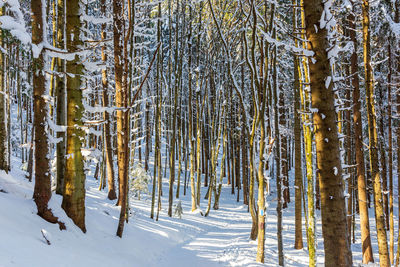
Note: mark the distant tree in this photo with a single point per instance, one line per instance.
(3, 130)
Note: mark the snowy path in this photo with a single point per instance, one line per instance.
(225, 240)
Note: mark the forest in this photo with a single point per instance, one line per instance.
(199, 132)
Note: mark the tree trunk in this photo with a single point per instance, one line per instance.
(298, 176)
(190, 107)
(390, 153)
(307, 132)
(279, 148)
(373, 141)
(3, 131)
(121, 97)
(107, 133)
(333, 209)
(42, 189)
(60, 96)
(74, 180)
(358, 139)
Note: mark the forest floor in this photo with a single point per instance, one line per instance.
(221, 239)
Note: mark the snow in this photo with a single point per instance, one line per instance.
(221, 239)
(16, 29)
(328, 82)
(15, 24)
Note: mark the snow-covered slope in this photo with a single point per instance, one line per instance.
(221, 239)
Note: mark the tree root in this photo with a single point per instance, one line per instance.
(48, 216)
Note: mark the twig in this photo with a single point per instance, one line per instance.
(145, 77)
(44, 236)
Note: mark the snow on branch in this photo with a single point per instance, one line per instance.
(15, 24)
(288, 47)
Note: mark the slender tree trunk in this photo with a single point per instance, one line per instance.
(307, 132)
(190, 107)
(159, 106)
(261, 165)
(107, 132)
(278, 158)
(390, 153)
(261, 198)
(3, 131)
(397, 20)
(298, 175)
(358, 140)
(298, 244)
(121, 65)
(173, 135)
(60, 96)
(373, 141)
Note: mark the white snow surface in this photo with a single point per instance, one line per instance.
(221, 239)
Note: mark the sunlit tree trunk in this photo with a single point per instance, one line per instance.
(308, 138)
(333, 209)
(358, 140)
(190, 107)
(390, 154)
(121, 98)
(60, 97)
(298, 183)
(107, 132)
(373, 141)
(74, 180)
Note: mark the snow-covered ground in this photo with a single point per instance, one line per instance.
(221, 239)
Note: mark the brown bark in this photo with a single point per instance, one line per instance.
(390, 154)
(283, 150)
(42, 189)
(298, 243)
(60, 96)
(121, 97)
(333, 209)
(3, 132)
(358, 146)
(397, 20)
(107, 134)
(74, 180)
(373, 141)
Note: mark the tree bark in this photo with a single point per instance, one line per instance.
(60, 96)
(74, 180)
(3, 131)
(107, 133)
(358, 140)
(42, 189)
(373, 141)
(333, 209)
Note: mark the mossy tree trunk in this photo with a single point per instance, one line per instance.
(60, 98)
(74, 180)
(3, 131)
